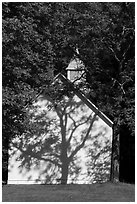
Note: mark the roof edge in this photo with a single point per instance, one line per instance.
(86, 101)
(81, 96)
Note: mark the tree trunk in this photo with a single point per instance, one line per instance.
(64, 176)
(64, 156)
(65, 162)
(127, 155)
(114, 176)
(5, 159)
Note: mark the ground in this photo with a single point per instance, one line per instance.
(106, 192)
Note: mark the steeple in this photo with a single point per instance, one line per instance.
(75, 69)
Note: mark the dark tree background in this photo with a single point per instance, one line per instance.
(38, 41)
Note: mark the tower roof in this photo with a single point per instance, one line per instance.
(75, 64)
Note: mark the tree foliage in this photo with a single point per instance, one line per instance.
(38, 41)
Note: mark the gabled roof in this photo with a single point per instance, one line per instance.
(81, 96)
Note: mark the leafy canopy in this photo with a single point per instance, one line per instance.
(39, 39)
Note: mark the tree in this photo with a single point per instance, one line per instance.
(112, 71)
(106, 46)
(41, 38)
(23, 66)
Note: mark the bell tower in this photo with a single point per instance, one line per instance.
(76, 70)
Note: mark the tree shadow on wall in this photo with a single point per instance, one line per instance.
(56, 132)
(99, 164)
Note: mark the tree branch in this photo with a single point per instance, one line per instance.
(84, 140)
(114, 54)
(76, 126)
(65, 120)
(51, 161)
(121, 85)
(52, 154)
(77, 79)
(66, 105)
(124, 55)
(70, 137)
(74, 122)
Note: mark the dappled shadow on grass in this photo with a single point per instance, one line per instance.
(106, 192)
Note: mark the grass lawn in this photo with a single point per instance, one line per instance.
(106, 192)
